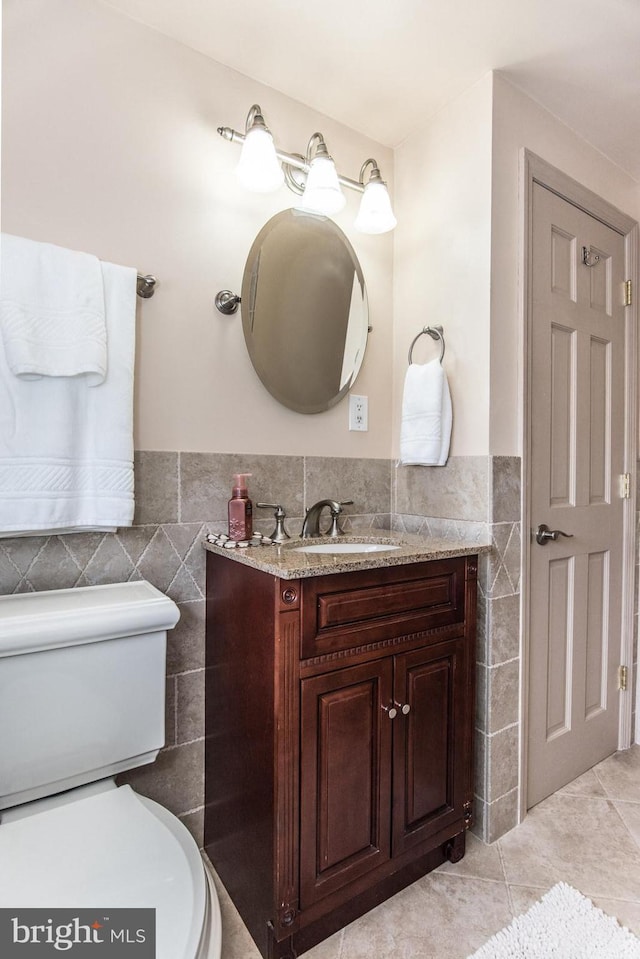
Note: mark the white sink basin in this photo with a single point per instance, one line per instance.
(345, 548)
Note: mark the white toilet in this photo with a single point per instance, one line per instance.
(82, 680)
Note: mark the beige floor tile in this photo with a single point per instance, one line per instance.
(630, 814)
(620, 774)
(586, 785)
(480, 861)
(523, 897)
(438, 916)
(627, 913)
(331, 948)
(579, 840)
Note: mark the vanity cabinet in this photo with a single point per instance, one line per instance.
(338, 739)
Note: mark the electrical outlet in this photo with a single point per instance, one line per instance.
(358, 412)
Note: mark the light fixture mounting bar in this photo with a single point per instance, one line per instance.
(296, 161)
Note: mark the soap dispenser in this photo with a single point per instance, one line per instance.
(240, 509)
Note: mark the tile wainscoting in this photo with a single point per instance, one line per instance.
(182, 495)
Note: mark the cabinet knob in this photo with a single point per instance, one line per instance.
(391, 711)
(405, 708)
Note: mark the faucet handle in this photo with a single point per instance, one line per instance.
(336, 509)
(279, 534)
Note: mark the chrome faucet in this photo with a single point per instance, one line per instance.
(311, 524)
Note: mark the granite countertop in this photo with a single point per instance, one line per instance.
(284, 560)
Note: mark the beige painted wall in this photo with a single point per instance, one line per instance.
(458, 248)
(442, 258)
(110, 146)
(520, 122)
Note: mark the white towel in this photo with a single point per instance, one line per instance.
(66, 449)
(52, 314)
(425, 429)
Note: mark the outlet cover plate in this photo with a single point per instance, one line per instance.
(358, 412)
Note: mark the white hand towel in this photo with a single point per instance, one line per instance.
(52, 314)
(66, 449)
(425, 429)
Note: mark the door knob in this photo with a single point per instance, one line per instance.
(391, 711)
(404, 708)
(544, 534)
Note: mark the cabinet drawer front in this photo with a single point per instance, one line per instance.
(347, 610)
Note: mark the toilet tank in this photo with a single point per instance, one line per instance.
(82, 685)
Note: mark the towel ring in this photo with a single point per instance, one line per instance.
(435, 332)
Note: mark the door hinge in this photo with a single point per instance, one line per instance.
(622, 678)
(628, 293)
(625, 486)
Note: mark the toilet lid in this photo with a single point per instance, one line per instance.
(114, 849)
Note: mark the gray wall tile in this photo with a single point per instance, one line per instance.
(156, 487)
(194, 821)
(459, 490)
(206, 480)
(503, 695)
(190, 714)
(503, 624)
(366, 481)
(502, 753)
(501, 816)
(185, 642)
(505, 489)
(175, 780)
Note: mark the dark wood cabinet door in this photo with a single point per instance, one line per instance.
(429, 743)
(345, 777)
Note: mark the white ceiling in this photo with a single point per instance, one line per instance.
(384, 66)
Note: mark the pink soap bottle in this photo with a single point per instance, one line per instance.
(240, 509)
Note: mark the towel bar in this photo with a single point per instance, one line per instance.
(436, 333)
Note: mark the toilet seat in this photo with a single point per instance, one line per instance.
(108, 850)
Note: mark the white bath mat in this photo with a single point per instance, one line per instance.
(563, 925)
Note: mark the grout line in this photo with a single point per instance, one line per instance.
(33, 562)
(83, 569)
(188, 742)
(10, 560)
(504, 874)
(633, 838)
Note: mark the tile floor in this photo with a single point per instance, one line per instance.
(587, 835)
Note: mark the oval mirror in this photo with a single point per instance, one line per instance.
(304, 311)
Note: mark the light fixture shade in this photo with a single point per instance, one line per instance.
(322, 193)
(259, 169)
(375, 214)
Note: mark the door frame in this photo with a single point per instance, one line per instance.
(533, 169)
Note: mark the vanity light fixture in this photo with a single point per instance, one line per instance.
(322, 193)
(258, 167)
(375, 214)
(313, 176)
